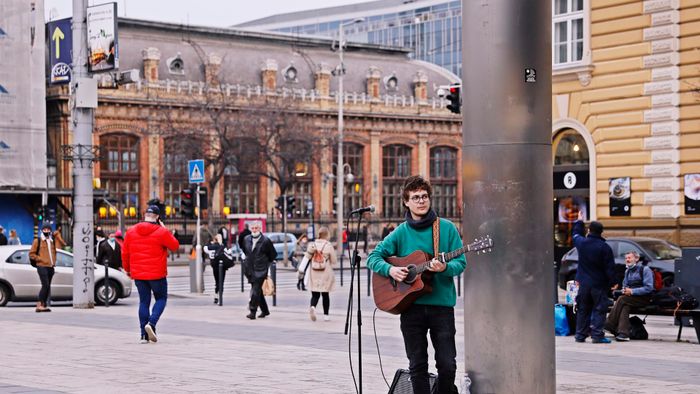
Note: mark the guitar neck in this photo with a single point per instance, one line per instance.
(420, 268)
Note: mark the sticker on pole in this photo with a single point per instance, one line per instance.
(196, 170)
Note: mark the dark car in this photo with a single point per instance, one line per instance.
(654, 252)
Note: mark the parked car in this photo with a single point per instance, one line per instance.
(20, 282)
(278, 241)
(654, 252)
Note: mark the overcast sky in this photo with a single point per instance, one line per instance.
(198, 12)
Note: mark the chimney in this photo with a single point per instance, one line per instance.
(322, 80)
(151, 59)
(420, 86)
(373, 77)
(212, 68)
(269, 75)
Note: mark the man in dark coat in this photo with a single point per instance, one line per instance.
(595, 275)
(3, 238)
(242, 235)
(260, 253)
(109, 252)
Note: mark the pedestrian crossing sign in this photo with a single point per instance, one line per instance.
(196, 171)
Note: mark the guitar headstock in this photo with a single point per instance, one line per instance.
(481, 245)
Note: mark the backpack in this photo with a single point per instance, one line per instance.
(674, 297)
(32, 261)
(318, 261)
(637, 330)
(658, 279)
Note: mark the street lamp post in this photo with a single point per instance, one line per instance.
(340, 188)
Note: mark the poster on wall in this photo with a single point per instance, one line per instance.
(570, 207)
(103, 51)
(692, 194)
(620, 196)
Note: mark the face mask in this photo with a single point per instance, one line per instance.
(46, 233)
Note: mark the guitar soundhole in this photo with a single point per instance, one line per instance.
(411, 277)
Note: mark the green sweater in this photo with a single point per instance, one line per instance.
(406, 240)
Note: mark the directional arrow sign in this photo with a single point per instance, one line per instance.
(57, 36)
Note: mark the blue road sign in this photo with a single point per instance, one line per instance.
(195, 169)
(60, 47)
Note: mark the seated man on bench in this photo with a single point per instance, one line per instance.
(637, 289)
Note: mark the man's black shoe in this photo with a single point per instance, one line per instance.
(622, 338)
(251, 316)
(263, 314)
(581, 340)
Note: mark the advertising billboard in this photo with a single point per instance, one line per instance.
(103, 48)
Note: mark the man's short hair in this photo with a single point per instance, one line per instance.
(634, 252)
(595, 227)
(415, 183)
(255, 223)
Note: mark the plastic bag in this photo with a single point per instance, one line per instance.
(571, 292)
(561, 324)
(268, 287)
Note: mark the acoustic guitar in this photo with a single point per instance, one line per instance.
(394, 297)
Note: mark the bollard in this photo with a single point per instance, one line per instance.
(556, 284)
(459, 285)
(193, 276)
(341, 270)
(221, 283)
(273, 272)
(106, 286)
(369, 280)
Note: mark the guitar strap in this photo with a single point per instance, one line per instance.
(436, 237)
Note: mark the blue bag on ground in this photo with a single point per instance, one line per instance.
(561, 324)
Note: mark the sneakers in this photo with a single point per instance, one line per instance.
(582, 340)
(326, 318)
(622, 338)
(312, 313)
(151, 333)
(601, 340)
(263, 314)
(143, 340)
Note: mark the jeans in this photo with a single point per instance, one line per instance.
(218, 283)
(416, 321)
(159, 288)
(326, 300)
(257, 299)
(590, 316)
(45, 276)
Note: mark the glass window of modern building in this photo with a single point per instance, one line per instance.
(431, 28)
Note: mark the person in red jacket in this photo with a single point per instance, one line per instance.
(144, 258)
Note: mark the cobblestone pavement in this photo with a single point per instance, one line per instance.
(204, 347)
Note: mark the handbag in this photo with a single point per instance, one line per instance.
(268, 287)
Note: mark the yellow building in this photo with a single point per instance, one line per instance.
(626, 103)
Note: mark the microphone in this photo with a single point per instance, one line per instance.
(369, 208)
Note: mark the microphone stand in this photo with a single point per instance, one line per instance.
(355, 266)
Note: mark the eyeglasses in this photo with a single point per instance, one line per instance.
(422, 197)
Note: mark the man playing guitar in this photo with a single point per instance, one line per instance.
(433, 311)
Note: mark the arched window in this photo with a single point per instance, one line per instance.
(443, 178)
(175, 176)
(240, 191)
(352, 193)
(396, 167)
(119, 168)
(571, 148)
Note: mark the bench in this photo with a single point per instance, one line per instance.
(656, 310)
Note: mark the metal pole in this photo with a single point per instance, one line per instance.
(106, 285)
(273, 273)
(285, 247)
(82, 121)
(339, 165)
(198, 250)
(508, 336)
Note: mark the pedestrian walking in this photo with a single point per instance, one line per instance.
(3, 238)
(260, 253)
(595, 275)
(322, 258)
(109, 253)
(242, 235)
(120, 238)
(218, 255)
(364, 238)
(43, 256)
(60, 242)
(432, 312)
(144, 256)
(14, 238)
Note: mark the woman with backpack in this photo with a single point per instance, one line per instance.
(322, 258)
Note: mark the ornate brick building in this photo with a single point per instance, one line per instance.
(394, 123)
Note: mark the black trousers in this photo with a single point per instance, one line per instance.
(326, 300)
(218, 282)
(416, 322)
(256, 297)
(45, 276)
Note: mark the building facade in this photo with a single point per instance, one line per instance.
(626, 116)
(394, 125)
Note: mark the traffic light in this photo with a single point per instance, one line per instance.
(186, 203)
(39, 214)
(203, 198)
(280, 203)
(291, 204)
(455, 99)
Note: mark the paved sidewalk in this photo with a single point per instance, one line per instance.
(204, 347)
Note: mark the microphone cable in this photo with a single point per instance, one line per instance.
(376, 340)
(350, 305)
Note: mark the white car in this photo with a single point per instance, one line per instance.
(20, 282)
